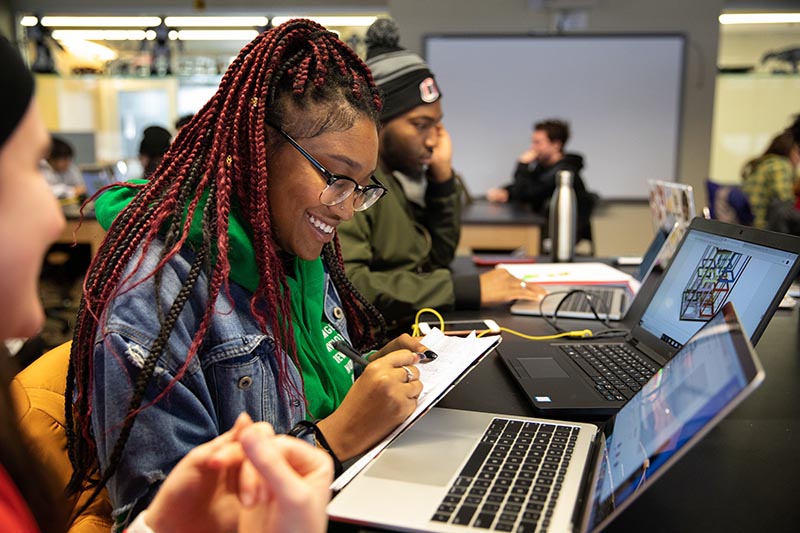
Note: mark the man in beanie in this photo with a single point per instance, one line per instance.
(397, 252)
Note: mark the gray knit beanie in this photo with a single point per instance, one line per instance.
(403, 77)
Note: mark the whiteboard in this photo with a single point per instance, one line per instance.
(621, 95)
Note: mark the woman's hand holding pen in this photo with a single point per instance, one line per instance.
(380, 399)
(403, 342)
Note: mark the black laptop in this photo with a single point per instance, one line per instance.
(715, 263)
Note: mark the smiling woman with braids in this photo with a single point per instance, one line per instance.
(220, 288)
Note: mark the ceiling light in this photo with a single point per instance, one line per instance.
(100, 22)
(29, 20)
(759, 18)
(361, 21)
(100, 35)
(88, 50)
(215, 22)
(217, 35)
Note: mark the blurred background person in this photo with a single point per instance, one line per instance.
(60, 170)
(181, 122)
(155, 143)
(769, 179)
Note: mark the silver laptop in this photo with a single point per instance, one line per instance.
(457, 471)
(596, 301)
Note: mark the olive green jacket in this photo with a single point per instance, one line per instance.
(397, 252)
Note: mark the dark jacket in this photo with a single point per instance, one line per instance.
(397, 252)
(535, 183)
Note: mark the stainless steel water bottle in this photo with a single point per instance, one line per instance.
(563, 218)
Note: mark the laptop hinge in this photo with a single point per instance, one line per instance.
(583, 506)
(649, 352)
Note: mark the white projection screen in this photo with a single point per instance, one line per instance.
(621, 95)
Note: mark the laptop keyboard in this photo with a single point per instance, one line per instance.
(617, 370)
(512, 479)
(578, 303)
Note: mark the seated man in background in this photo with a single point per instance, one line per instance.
(60, 171)
(537, 169)
(397, 252)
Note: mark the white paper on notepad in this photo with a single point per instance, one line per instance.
(456, 356)
(569, 273)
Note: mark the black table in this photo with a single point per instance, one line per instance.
(743, 476)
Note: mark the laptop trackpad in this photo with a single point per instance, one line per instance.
(429, 458)
(542, 367)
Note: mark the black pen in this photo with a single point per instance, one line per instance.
(348, 350)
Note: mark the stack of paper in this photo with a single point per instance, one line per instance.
(568, 273)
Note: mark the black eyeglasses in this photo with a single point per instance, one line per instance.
(341, 187)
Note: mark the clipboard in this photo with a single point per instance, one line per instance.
(457, 356)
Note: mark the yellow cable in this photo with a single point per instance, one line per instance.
(577, 333)
(415, 327)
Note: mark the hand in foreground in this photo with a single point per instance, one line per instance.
(197, 496)
(380, 399)
(499, 286)
(284, 483)
(441, 167)
(247, 479)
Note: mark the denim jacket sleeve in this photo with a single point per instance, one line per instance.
(236, 370)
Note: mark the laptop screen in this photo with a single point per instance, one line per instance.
(650, 255)
(707, 271)
(670, 202)
(95, 178)
(678, 402)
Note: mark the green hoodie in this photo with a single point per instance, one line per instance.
(327, 375)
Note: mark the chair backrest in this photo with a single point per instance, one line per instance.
(728, 203)
(38, 393)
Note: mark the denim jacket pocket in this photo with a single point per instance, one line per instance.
(249, 383)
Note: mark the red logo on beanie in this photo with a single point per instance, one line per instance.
(428, 90)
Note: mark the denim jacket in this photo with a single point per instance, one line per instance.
(235, 370)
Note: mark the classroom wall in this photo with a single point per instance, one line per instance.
(698, 20)
(619, 228)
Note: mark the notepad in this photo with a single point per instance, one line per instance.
(568, 273)
(457, 355)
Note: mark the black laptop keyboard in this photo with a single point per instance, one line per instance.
(512, 479)
(617, 370)
(578, 303)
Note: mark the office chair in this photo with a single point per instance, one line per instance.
(38, 393)
(728, 203)
(591, 202)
